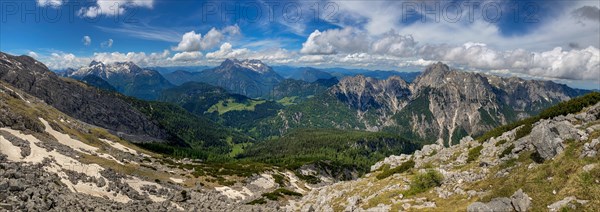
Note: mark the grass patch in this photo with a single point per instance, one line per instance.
(400, 169)
(231, 105)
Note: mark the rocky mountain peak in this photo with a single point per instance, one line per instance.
(248, 64)
(106, 70)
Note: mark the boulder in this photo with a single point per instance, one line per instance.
(497, 204)
(520, 201)
(566, 202)
(589, 149)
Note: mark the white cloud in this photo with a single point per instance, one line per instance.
(61, 60)
(113, 7)
(395, 44)
(192, 41)
(189, 42)
(86, 40)
(51, 3)
(352, 40)
(334, 41)
(139, 58)
(186, 56)
(227, 51)
(32, 54)
(107, 44)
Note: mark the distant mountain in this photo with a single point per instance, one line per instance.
(406, 76)
(126, 78)
(310, 74)
(179, 77)
(251, 78)
(166, 70)
(75, 99)
(307, 74)
(440, 104)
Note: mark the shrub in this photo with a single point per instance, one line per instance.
(287, 192)
(400, 169)
(272, 195)
(280, 192)
(474, 153)
(499, 143)
(507, 151)
(424, 181)
(279, 179)
(259, 201)
(523, 131)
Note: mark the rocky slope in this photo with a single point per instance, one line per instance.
(78, 100)
(126, 77)
(551, 166)
(441, 104)
(51, 161)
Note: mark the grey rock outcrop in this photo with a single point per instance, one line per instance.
(548, 136)
(519, 201)
(590, 149)
(566, 202)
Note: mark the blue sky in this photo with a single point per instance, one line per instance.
(555, 40)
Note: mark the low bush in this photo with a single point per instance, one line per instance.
(474, 153)
(507, 151)
(399, 169)
(424, 181)
(523, 131)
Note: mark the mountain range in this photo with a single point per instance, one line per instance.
(126, 78)
(445, 139)
(441, 105)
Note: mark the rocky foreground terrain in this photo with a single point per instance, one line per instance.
(552, 166)
(50, 161)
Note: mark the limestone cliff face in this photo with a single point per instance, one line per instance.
(447, 104)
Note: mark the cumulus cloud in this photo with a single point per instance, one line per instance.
(86, 40)
(227, 51)
(107, 44)
(395, 44)
(112, 7)
(192, 41)
(577, 64)
(61, 60)
(352, 40)
(50, 3)
(335, 41)
(186, 56)
(140, 58)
